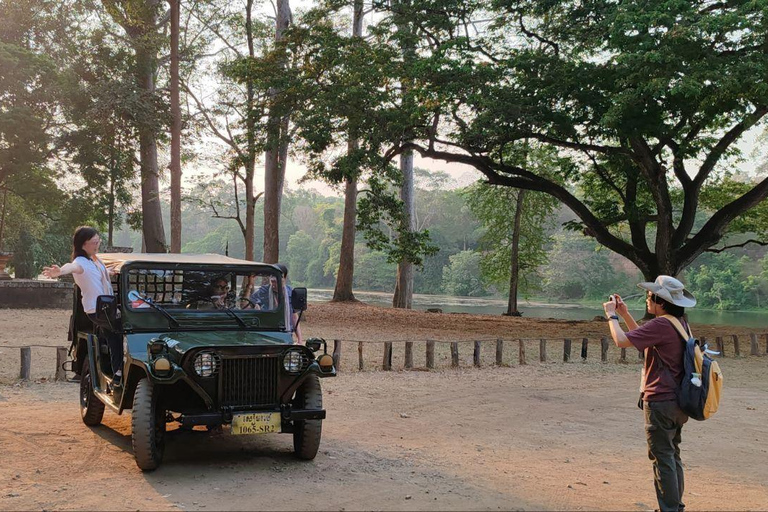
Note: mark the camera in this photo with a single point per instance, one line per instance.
(612, 298)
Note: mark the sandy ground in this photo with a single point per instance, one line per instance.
(545, 436)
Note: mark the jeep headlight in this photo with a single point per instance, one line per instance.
(293, 361)
(206, 364)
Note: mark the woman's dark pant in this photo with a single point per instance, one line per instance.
(114, 340)
(663, 424)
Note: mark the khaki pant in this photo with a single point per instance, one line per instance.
(663, 424)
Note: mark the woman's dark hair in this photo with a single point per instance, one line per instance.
(669, 308)
(82, 235)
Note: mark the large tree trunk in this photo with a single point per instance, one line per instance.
(343, 290)
(111, 213)
(152, 219)
(250, 129)
(2, 217)
(514, 269)
(403, 297)
(175, 131)
(345, 276)
(277, 150)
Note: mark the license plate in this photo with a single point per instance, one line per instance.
(256, 423)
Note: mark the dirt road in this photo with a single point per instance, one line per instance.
(550, 436)
(538, 437)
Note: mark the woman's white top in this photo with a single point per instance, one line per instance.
(94, 281)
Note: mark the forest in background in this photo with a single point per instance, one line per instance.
(594, 171)
(576, 268)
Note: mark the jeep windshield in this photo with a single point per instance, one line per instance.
(207, 297)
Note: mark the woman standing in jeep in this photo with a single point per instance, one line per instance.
(92, 277)
(662, 373)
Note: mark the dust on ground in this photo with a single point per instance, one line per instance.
(555, 436)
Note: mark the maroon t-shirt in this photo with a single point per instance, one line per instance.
(661, 334)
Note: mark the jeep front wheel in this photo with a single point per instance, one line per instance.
(147, 427)
(91, 408)
(306, 434)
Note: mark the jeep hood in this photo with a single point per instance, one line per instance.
(181, 342)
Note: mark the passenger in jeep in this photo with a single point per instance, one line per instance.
(92, 277)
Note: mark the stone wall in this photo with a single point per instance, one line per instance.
(29, 293)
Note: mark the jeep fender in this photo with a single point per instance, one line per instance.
(136, 371)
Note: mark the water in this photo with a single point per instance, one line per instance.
(481, 306)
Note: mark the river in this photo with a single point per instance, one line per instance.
(486, 306)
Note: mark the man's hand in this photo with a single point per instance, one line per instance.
(621, 307)
(610, 307)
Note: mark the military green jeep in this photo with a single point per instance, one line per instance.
(207, 341)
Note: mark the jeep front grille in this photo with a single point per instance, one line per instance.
(248, 381)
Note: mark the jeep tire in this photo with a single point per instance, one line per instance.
(91, 408)
(306, 434)
(147, 427)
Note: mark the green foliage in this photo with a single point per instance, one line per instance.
(721, 282)
(462, 275)
(374, 271)
(579, 269)
(495, 208)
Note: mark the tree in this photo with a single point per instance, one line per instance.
(342, 291)
(276, 146)
(234, 119)
(720, 283)
(175, 12)
(515, 238)
(140, 20)
(462, 275)
(644, 100)
(33, 58)
(100, 140)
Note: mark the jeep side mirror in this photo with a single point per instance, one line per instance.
(106, 308)
(299, 299)
(314, 344)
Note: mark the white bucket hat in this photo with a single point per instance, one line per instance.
(671, 290)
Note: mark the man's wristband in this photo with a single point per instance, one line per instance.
(613, 317)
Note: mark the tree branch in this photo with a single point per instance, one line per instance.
(729, 138)
(758, 242)
(518, 177)
(714, 229)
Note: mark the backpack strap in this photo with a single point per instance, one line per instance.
(679, 327)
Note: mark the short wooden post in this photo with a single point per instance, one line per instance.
(476, 354)
(720, 345)
(386, 365)
(337, 354)
(454, 354)
(623, 357)
(543, 350)
(26, 363)
(61, 357)
(499, 351)
(584, 345)
(360, 355)
(736, 348)
(753, 344)
(409, 354)
(604, 349)
(430, 354)
(566, 350)
(522, 352)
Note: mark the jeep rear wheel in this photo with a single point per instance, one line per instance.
(147, 427)
(91, 408)
(306, 434)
